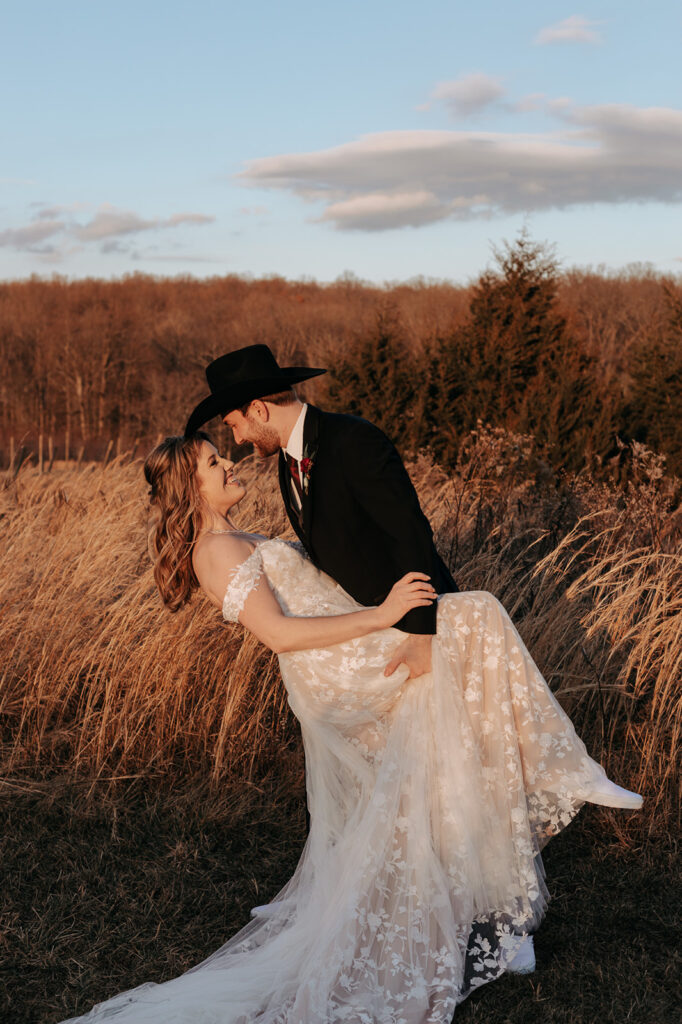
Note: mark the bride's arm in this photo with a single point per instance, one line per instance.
(262, 615)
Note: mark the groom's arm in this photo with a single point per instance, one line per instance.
(375, 474)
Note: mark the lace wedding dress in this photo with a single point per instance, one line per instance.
(429, 801)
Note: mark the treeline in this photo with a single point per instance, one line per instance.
(522, 359)
(582, 360)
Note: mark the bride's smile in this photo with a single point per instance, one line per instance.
(219, 487)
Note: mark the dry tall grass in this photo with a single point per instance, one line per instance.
(99, 681)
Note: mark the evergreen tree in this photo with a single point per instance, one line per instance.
(378, 380)
(653, 414)
(513, 363)
(450, 375)
(513, 324)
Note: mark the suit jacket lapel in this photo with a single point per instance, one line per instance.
(311, 441)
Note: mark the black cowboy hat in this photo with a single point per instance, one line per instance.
(241, 376)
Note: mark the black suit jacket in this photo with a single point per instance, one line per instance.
(361, 521)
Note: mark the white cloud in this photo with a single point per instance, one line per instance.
(113, 245)
(185, 218)
(31, 234)
(560, 105)
(533, 101)
(107, 225)
(152, 254)
(598, 154)
(45, 212)
(622, 120)
(54, 253)
(109, 222)
(575, 29)
(403, 209)
(468, 94)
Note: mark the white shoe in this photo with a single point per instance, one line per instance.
(524, 960)
(267, 910)
(609, 794)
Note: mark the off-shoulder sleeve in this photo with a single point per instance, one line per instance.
(243, 580)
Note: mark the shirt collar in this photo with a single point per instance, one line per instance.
(294, 445)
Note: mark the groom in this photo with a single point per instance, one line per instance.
(345, 489)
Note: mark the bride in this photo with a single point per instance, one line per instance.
(429, 798)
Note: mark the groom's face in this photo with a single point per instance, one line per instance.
(253, 428)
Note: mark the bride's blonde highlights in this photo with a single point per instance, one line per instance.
(171, 472)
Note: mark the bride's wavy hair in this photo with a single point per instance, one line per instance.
(170, 471)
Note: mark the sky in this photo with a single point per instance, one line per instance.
(388, 140)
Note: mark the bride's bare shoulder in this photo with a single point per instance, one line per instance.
(221, 547)
(215, 556)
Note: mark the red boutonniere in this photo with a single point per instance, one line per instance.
(307, 464)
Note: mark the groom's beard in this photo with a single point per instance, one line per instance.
(264, 439)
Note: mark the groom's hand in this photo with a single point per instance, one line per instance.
(415, 652)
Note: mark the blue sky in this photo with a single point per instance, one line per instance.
(387, 139)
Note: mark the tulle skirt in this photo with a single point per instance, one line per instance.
(430, 801)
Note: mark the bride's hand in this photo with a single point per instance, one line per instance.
(412, 591)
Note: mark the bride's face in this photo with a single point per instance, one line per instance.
(218, 486)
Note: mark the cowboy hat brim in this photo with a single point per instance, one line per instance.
(244, 391)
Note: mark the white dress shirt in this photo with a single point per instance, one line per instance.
(294, 447)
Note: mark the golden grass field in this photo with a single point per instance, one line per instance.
(101, 683)
(151, 773)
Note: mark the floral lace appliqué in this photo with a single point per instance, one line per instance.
(244, 579)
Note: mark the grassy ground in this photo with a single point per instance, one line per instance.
(103, 895)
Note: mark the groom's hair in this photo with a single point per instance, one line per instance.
(286, 397)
